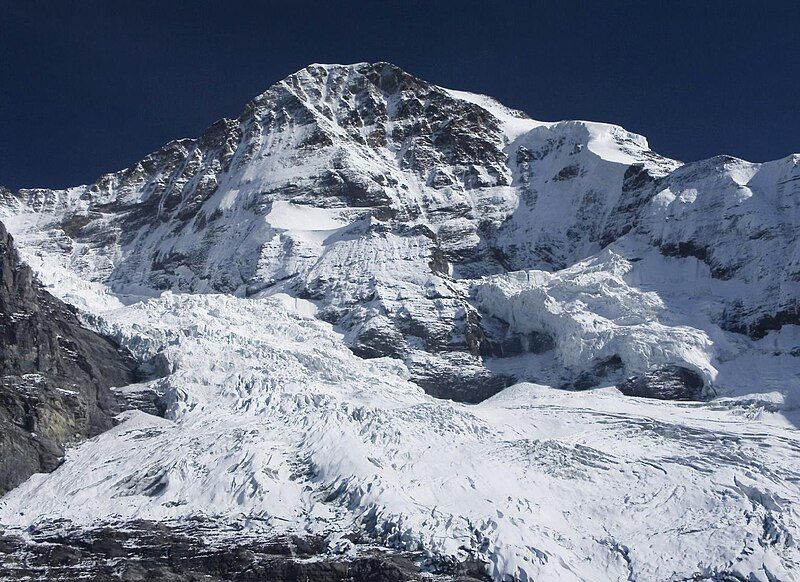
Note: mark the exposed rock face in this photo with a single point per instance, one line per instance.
(176, 553)
(600, 371)
(55, 374)
(667, 383)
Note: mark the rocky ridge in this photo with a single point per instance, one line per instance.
(176, 553)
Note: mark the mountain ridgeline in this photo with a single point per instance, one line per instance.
(390, 202)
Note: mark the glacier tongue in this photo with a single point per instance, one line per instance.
(272, 416)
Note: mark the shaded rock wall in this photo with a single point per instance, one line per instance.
(55, 375)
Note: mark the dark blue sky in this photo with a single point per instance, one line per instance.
(92, 86)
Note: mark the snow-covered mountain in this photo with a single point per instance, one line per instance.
(358, 238)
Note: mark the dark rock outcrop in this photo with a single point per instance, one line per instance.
(665, 383)
(602, 370)
(156, 551)
(55, 375)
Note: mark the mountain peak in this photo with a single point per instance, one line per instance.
(337, 155)
(335, 81)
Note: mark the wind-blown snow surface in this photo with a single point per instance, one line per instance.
(273, 417)
(457, 245)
